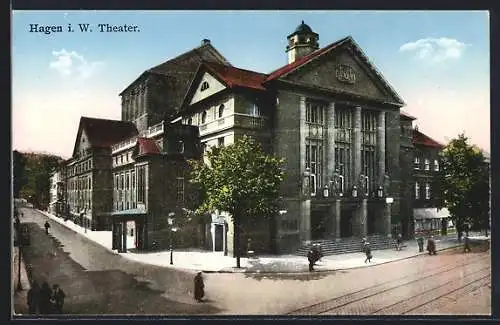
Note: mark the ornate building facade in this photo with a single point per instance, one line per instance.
(348, 147)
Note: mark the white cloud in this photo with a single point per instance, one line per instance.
(73, 64)
(435, 49)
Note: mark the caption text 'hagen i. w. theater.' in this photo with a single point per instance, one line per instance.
(352, 156)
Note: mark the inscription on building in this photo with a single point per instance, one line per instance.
(345, 73)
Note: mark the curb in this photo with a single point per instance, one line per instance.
(242, 270)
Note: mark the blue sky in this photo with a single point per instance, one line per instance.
(437, 61)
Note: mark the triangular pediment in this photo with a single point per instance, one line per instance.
(206, 86)
(82, 143)
(345, 69)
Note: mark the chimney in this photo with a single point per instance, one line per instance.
(205, 41)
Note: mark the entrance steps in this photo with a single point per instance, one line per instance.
(347, 245)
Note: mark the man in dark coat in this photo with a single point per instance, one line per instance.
(310, 258)
(431, 246)
(420, 242)
(47, 226)
(399, 242)
(57, 299)
(44, 305)
(368, 251)
(33, 297)
(199, 287)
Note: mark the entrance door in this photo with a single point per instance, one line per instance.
(346, 223)
(372, 217)
(219, 239)
(318, 227)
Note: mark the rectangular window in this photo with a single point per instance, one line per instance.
(314, 158)
(427, 191)
(180, 190)
(417, 191)
(133, 199)
(141, 184)
(426, 164)
(436, 165)
(416, 162)
(315, 112)
(220, 141)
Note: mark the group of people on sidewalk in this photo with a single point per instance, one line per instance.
(44, 300)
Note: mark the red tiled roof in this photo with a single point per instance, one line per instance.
(235, 77)
(406, 115)
(423, 140)
(105, 133)
(147, 146)
(292, 66)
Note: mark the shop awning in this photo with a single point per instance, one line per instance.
(430, 213)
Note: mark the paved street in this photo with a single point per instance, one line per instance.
(98, 281)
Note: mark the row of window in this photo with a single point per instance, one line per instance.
(427, 187)
(427, 166)
(80, 167)
(252, 110)
(124, 158)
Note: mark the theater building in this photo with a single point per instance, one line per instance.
(349, 149)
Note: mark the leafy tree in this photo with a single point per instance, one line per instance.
(19, 176)
(465, 185)
(240, 179)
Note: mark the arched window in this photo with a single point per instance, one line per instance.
(426, 164)
(204, 86)
(190, 121)
(221, 110)
(436, 165)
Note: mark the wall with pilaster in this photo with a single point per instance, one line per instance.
(102, 187)
(392, 140)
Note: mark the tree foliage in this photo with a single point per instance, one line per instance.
(240, 179)
(32, 176)
(465, 184)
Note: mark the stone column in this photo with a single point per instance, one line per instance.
(337, 219)
(305, 208)
(363, 222)
(387, 219)
(356, 171)
(124, 236)
(330, 142)
(381, 147)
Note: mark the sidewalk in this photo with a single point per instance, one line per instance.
(206, 261)
(19, 305)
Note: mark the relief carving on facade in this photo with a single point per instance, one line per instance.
(345, 74)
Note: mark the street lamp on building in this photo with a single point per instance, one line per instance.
(326, 191)
(380, 192)
(354, 191)
(170, 221)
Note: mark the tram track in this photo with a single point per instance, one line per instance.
(386, 286)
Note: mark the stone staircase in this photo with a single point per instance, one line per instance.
(347, 245)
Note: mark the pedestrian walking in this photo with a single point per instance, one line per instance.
(368, 252)
(47, 226)
(33, 297)
(57, 299)
(310, 258)
(420, 242)
(44, 305)
(199, 287)
(431, 246)
(399, 242)
(467, 244)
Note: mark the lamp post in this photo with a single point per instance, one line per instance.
(354, 191)
(380, 192)
(326, 191)
(170, 220)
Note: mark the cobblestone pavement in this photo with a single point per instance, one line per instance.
(99, 282)
(449, 283)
